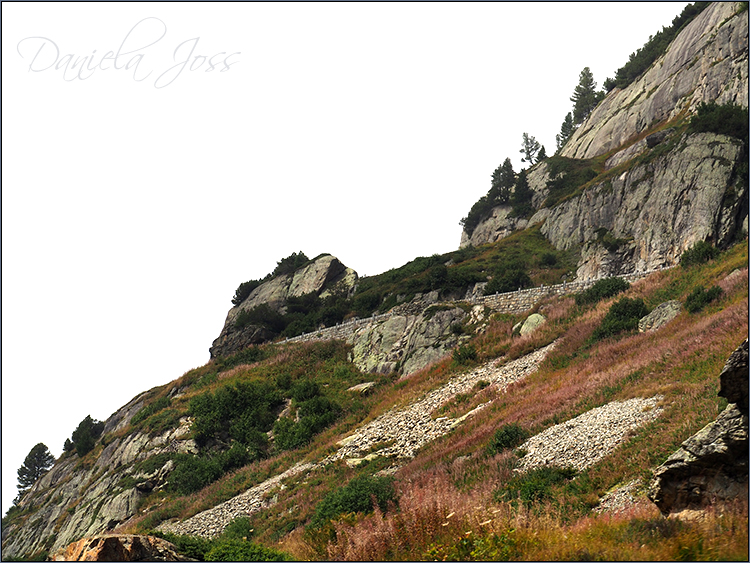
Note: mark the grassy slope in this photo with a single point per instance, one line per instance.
(455, 474)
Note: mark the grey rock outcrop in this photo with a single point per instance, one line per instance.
(712, 464)
(119, 548)
(706, 62)
(657, 209)
(321, 276)
(660, 316)
(72, 500)
(408, 341)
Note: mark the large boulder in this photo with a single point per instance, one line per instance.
(660, 316)
(712, 464)
(119, 548)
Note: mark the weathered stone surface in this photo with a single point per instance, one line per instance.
(119, 548)
(706, 62)
(712, 464)
(709, 465)
(411, 341)
(658, 209)
(363, 388)
(319, 277)
(533, 322)
(733, 379)
(660, 316)
(498, 224)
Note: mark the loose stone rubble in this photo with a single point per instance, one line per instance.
(583, 441)
(405, 430)
(399, 434)
(620, 499)
(211, 522)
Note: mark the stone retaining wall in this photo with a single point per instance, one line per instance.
(513, 302)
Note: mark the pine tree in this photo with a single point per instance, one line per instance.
(585, 97)
(529, 147)
(542, 154)
(36, 464)
(566, 131)
(522, 196)
(503, 179)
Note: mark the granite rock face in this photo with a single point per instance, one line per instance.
(706, 62)
(72, 500)
(655, 210)
(712, 464)
(320, 277)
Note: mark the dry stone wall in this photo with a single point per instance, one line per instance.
(514, 302)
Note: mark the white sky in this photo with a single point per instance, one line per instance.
(131, 212)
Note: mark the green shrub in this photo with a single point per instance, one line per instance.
(194, 547)
(240, 550)
(506, 437)
(509, 280)
(464, 354)
(535, 485)
(700, 297)
(700, 253)
(727, 119)
(356, 496)
(602, 289)
(244, 290)
(622, 316)
(152, 408)
(241, 411)
(86, 434)
(192, 473)
(305, 389)
(238, 529)
(316, 414)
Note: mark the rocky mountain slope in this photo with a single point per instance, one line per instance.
(423, 391)
(658, 188)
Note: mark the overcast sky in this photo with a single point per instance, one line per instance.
(139, 190)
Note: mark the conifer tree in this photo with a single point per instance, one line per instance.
(503, 179)
(585, 97)
(566, 130)
(529, 147)
(36, 464)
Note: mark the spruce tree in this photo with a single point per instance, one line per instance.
(566, 131)
(36, 464)
(585, 97)
(503, 179)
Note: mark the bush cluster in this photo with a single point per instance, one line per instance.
(623, 316)
(506, 437)
(535, 485)
(727, 119)
(231, 545)
(315, 411)
(465, 354)
(356, 496)
(85, 436)
(242, 411)
(700, 253)
(700, 297)
(508, 280)
(192, 473)
(602, 289)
